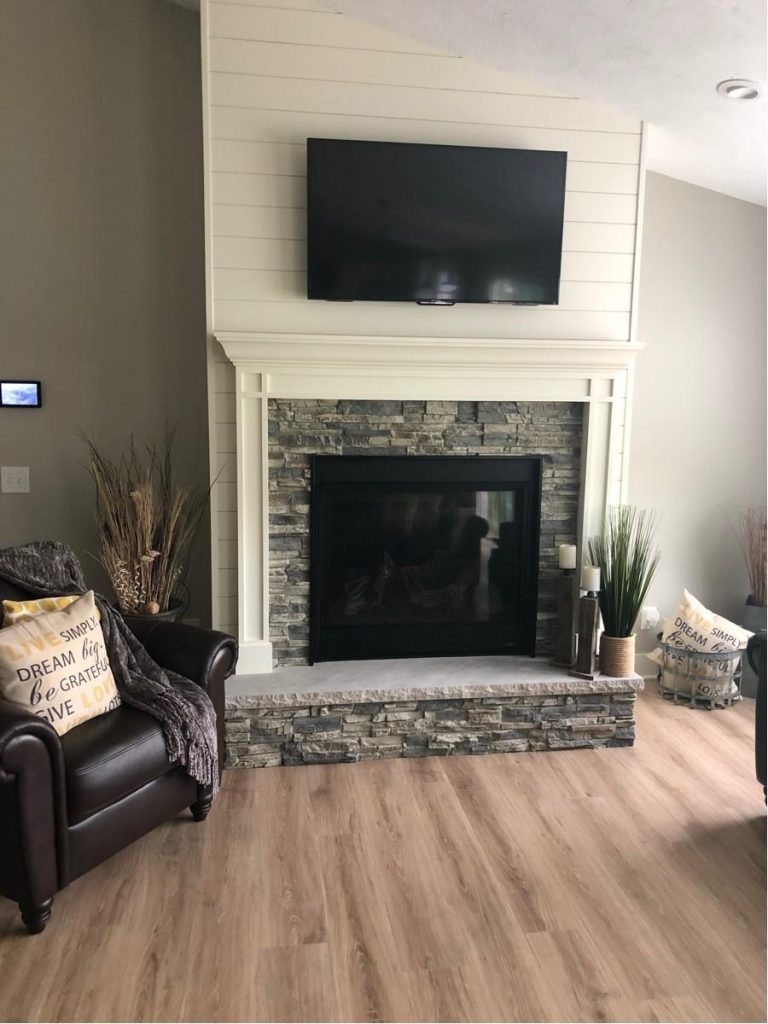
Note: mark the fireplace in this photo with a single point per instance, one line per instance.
(294, 396)
(423, 555)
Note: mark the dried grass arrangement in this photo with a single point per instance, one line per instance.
(148, 524)
(752, 535)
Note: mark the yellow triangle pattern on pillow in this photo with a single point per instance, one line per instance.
(17, 611)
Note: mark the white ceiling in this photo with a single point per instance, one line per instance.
(657, 59)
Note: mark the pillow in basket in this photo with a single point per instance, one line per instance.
(695, 628)
(54, 664)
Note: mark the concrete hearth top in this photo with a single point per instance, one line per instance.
(354, 682)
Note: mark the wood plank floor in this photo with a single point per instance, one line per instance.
(609, 885)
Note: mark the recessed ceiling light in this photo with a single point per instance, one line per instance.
(738, 89)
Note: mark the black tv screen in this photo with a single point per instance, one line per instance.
(403, 222)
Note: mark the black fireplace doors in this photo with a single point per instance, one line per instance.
(423, 555)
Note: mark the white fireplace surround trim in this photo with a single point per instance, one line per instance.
(598, 373)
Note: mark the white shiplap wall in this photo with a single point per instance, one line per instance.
(282, 70)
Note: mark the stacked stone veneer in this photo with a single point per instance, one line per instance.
(299, 428)
(261, 735)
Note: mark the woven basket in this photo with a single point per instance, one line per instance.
(617, 655)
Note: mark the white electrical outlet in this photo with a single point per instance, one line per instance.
(14, 479)
(649, 617)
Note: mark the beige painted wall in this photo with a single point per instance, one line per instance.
(698, 441)
(101, 252)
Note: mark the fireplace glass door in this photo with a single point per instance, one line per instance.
(423, 555)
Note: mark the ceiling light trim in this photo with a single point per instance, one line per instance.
(738, 89)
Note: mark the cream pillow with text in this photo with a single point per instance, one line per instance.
(55, 665)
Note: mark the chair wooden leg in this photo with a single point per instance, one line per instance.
(200, 808)
(36, 915)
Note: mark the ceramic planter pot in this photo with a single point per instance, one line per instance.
(171, 615)
(754, 617)
(617, 655)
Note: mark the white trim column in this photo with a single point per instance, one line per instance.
(253, 523)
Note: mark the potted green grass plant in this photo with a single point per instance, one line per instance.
(628, 558)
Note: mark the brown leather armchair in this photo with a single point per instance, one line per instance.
(67, 803)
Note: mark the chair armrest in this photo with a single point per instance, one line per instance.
(205, 656)
(33, 810)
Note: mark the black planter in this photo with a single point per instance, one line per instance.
(173, 614)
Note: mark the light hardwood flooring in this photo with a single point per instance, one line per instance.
(610, 885)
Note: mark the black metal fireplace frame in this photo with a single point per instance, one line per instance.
(337, 643)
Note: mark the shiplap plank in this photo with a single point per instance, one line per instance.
(226, 443)
(259, 157)
(259, 189)
(224, 378)
(464, 321)
(423, 70)
(260, 221)
(291, 286)
(240, 123)
(275, 158)
(600, 208)
(306, 28)
(285, 191)
(409, 103)
(226, 607)
(290, 225)
(290, 5)
(226, 524)
(227, 582)
(280, 254)
(228, 554)
(226, 493)
(224, 408)
(227, 468)
(597, 266)
(259, 253)
(585, 237)
(588, 176)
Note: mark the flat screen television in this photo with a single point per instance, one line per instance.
(405, 222)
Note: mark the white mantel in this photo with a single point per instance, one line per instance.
(456, 369)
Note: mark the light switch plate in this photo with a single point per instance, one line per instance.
(14, 479)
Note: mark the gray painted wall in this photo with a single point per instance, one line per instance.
(102, 285)
(698, 442)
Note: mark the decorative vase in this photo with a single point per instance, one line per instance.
(755, 615)
(617, 655)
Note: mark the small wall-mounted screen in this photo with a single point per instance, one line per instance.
(24, 394)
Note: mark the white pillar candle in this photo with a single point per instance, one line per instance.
(590, 577)
(567, 556)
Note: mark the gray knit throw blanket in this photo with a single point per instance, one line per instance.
(183, 709)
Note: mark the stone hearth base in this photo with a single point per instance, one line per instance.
(355, 711)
